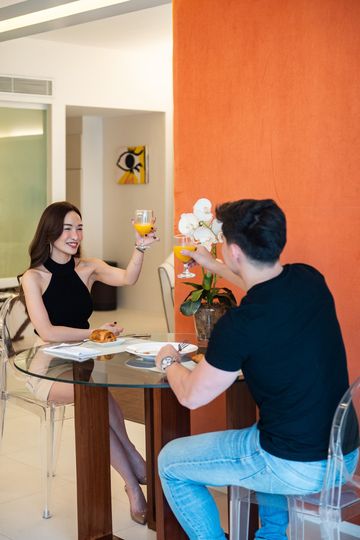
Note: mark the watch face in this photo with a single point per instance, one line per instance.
(166, 362)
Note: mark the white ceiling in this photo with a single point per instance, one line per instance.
(4, 3)
(153, 25)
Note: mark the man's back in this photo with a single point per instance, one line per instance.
(286, 338)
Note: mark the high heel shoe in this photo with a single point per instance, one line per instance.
(142, 480)
(139, 517)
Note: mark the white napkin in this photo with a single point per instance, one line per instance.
(77, 353)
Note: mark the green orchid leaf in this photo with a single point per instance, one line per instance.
(231, 294)
(225, 299)
(196, 295)
(195, 285)
(207, 281)
(189, 308)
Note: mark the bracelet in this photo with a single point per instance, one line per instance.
(139, 248)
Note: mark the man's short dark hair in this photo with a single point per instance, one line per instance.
(258, 227)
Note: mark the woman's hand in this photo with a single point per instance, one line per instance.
(113, 327)
(149, 238)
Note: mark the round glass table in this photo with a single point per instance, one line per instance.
(165, 419)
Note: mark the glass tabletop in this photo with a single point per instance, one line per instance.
(111, 365)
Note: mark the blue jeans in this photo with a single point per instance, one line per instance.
(233, 457)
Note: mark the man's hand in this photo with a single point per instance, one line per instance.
(167, 350)
(201, 256)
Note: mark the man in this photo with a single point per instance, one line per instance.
(286, 339)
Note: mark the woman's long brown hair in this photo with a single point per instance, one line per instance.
(49, 229)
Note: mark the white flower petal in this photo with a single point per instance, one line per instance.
(187, 224)
(203, 234)
(202, 210)
(208, 245)
(216, 226)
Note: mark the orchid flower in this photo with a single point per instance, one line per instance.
(201, 224)
(188, 224)
(203, 227)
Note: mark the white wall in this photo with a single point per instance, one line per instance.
(92, 185)
(121, 201)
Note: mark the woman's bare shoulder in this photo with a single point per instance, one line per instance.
(88, 262)
(34, 275)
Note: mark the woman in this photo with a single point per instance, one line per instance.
(57, 294)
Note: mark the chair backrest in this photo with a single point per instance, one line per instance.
(167, 281)
(342, 481)
(17, 332)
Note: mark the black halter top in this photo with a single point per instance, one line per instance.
(67, 299)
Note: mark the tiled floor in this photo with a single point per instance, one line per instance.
(20, 485)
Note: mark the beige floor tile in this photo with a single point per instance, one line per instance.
(138, 532)
(20, 431)
(20, 519)
(16, 480)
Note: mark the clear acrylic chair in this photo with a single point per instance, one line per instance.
(17, 334)
(167, 282)
(325, 515)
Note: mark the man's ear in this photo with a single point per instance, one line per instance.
(236, 252)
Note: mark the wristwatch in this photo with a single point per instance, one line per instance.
(166, 362)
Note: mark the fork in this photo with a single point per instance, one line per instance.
(182, 346)
(69, 344)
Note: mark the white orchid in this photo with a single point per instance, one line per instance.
(201, 224)
(204, 228)
(188, 223)
(216, 227)
(202, 210)
(205, 236)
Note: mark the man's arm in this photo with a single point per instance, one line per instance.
(199, 386)
(204, 258)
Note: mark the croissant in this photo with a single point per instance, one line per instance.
(102, 336)
(197, 357)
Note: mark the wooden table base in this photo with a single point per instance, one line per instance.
(166, 419)
(93, 463)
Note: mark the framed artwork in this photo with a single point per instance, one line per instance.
(133, 163)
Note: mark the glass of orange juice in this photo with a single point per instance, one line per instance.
(181, 241)
(143, 224)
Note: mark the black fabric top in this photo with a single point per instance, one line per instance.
(286, 338)
(67, 299)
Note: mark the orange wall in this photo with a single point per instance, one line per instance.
(267, 104)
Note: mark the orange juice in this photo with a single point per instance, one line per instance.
(180, 256)
(143, 228)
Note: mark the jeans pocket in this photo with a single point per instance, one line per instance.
(295, 477)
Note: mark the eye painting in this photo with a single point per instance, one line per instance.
(132, 162)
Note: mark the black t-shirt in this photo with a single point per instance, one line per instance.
(286, 338)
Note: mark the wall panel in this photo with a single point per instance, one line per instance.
(267, 104)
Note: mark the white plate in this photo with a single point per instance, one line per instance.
(108, 343)
(151, 348)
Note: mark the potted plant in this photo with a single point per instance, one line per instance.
(206, 301)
